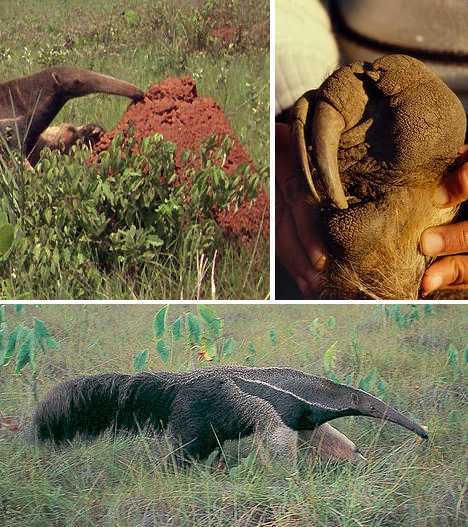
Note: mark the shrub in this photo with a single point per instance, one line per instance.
(129, 210)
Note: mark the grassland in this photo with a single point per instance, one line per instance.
(417, 361)
(144, 42)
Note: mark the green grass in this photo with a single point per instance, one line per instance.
(144, 42)
(120, 481)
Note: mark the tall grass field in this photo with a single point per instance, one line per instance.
(63, 245)
(413, 357)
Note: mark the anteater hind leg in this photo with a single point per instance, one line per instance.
(211, 410)
(328, 443)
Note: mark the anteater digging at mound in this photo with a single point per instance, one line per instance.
(29, 104)
(203, 408)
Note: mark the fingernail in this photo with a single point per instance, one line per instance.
(432, 243)
(432, 282)
(319, 263)
(441, 197)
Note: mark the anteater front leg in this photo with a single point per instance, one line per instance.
(211, 410)
(328, 443)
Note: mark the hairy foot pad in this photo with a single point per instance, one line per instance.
(174, 109)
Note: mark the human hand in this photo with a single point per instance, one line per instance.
(450, 239)
(298, 244)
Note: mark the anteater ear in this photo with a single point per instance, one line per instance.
(57, 79)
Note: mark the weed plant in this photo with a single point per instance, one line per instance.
(80, 223)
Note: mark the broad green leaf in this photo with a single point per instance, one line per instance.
(332, 376)
(428, 309)
(140, 360)
(414, 313)
(7, 236)
(273, 337)
(329, 357)
(465, 354)
(19, 308)
(331, 323)
(207, 314)
(381, 387)
(251, 357)
(159, 322)
(15, 335)
(452, 356)
(2, 315)
(177, 328)
(392, 310)
(228, 347)
(349, 378)
(366, 382)
(51, 343)
(194, 329)
(214, 323)
(132, 17)
(40, 330)
(25, 352)
(163, 350)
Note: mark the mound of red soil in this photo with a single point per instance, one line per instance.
(174, 110)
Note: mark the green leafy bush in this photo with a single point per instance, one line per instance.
(24, 345)
(406, 315)
(77, 219)
(200, 334)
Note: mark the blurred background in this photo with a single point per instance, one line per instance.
(322, 34)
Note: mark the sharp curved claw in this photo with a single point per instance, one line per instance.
(327, 127)
(299, 118)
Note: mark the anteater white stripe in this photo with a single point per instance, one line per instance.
(282, 390)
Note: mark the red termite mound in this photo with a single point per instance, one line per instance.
(174, 110)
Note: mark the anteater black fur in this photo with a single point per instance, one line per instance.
(87, 406)
(197, 406)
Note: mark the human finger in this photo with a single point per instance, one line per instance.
(448, 271)
(454, 187)
(290, 252)
(306, 221)
(445, 239)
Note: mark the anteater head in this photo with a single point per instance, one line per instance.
(336, 400)
(76, 82)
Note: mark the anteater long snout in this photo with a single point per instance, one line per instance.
(373, 407)
(98, 83)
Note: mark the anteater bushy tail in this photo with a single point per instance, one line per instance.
(89, 405)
